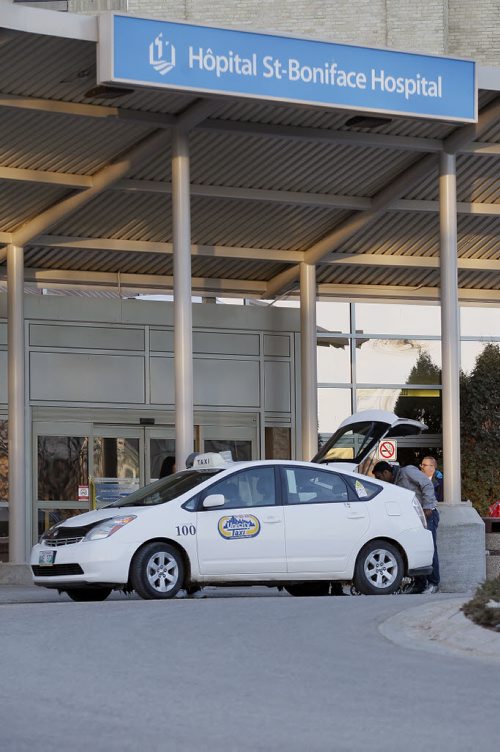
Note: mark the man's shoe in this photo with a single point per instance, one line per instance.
(430, 589)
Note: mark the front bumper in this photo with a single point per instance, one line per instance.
(85, 563)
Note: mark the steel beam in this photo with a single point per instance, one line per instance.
(135, 283)
(295, 198)
(100, 181)
(383, 200)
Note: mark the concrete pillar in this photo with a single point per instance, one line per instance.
(183, 324)
(16, 407)
(308, 365)
(461, 540)
(450, 329)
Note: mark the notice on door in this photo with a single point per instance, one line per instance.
(83, 493)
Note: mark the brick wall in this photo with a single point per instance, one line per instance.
(455, 27)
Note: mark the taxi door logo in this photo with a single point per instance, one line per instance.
(161, 55)
(239, 526)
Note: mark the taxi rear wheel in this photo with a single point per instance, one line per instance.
(157, 571)
(85, 595)
(379, 569)
(304, 589)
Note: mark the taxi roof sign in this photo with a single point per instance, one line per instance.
(212, 459)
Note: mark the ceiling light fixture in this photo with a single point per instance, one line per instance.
(107, 92)
(367, 121)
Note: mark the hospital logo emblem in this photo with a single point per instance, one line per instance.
(239, 526)
(162, 55)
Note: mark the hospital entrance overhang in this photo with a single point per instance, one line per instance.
(129, 179)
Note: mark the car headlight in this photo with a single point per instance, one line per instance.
(108, 527)
(417, 506)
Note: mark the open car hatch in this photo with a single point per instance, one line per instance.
(354, 445)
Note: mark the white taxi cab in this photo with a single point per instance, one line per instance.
(299, 525)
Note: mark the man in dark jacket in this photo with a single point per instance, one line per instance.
(429, 466)
(415, 480)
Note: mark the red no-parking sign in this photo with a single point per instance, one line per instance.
(387, 450)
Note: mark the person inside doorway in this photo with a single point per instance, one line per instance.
(167, 467)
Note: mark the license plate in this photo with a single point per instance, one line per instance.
(46, 558)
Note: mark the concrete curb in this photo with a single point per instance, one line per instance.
(15, 574)
(440, 627)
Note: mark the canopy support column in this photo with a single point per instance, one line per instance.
(308, 367)
(16, 406)
(183, 324)
(450, 328)
(460, 538)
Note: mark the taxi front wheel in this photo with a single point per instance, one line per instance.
(157, 571)
(379, 569)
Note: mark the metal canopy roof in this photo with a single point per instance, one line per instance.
(85, 184)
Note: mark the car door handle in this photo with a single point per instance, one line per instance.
(272, 520)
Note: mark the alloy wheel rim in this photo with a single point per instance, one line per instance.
(381, 568)
(162, 572)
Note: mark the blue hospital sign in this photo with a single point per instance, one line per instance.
(177, 56)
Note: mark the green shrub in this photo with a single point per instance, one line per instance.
(477, 609)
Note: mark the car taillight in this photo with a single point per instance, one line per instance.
(418, 509)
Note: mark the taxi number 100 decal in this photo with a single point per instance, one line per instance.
(185, 529)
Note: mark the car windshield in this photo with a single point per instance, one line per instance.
(165, 489)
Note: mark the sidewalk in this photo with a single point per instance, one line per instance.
(439, 626)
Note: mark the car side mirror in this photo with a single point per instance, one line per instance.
(214, 500)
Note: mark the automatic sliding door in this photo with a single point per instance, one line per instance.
(61, 477)
(159, 444)
(241, 441)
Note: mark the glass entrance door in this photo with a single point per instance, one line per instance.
(159, 445)
(241, 441)
(69, 456)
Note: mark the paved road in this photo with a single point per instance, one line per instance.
(233, 674)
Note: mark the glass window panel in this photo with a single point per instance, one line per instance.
(334, 361)
(62, 467)
(4, 461)
(240, 450)
(398, 361)
(333, 316)
(250, 488)
(116, 457)
(387, 318)
(334, 405)
(49, 517)
(470, 351)
(418, 404)
(479, 322)
(312, 486)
